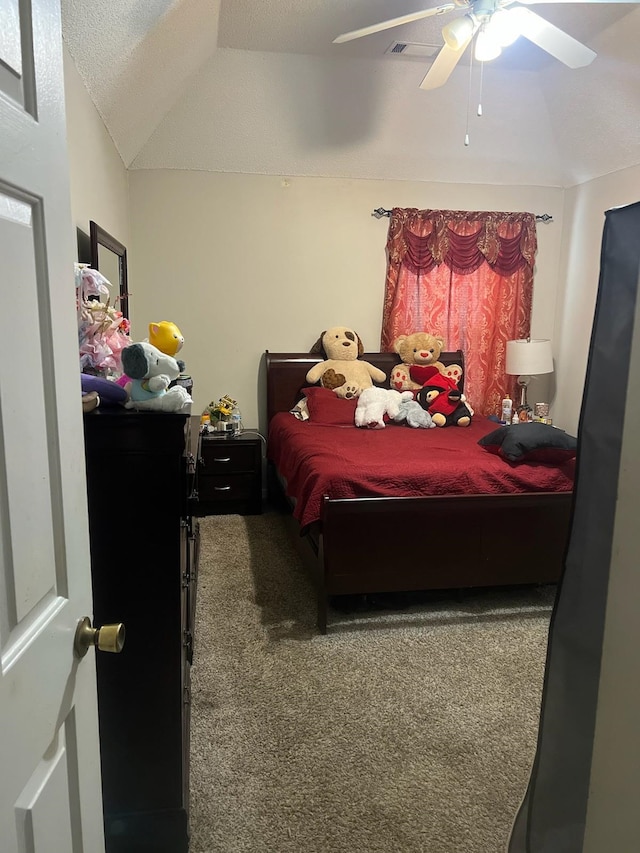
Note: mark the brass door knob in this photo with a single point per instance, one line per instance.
(109, 638)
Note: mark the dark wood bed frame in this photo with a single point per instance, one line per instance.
(379, 545)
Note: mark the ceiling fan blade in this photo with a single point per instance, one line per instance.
(395, 22)
(443, 65)
(552, 39)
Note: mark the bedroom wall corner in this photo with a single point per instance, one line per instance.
(585, 206)
(99, 179)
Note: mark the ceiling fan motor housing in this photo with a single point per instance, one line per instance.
(483, 9)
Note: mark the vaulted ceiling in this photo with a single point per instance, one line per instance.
(257, 86)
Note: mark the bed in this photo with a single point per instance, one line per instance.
(403, 521)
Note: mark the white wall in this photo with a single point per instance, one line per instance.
(585, 206)
(99, 180)
(244, 263)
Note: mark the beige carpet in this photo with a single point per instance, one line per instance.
(401, 731)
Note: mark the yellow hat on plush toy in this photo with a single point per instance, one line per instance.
(166, 337)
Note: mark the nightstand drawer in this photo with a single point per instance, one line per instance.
(239, 487)
(226, 456)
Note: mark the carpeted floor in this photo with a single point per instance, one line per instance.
(400, 731)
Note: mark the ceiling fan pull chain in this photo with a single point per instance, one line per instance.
(466, 135)
(480, 93)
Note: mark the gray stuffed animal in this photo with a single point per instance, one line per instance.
(412, 412)
(151, 372)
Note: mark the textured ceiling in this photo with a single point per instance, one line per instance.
(137, 57)
(257, 86)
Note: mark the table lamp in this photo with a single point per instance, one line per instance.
(527, 358)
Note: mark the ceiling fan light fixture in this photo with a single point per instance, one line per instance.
(504, 27)
(496, 27)
(457, 32)
(486, 48)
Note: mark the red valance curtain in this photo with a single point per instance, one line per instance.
(467, 277)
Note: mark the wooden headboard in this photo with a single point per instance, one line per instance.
(287, 371)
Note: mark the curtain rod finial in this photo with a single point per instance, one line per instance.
(379, 212)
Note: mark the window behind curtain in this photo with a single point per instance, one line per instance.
(467, 277)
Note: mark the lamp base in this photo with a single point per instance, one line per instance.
(523, 381)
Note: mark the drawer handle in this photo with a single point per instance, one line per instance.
(221, 488)
(223, 459)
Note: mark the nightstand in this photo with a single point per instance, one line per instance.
(229, 474)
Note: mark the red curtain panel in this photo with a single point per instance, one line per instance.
(468, 277)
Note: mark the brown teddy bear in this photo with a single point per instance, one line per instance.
(343, 371)
(419, 348)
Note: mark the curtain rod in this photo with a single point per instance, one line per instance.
(381, 211)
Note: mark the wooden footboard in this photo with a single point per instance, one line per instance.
(376, 545)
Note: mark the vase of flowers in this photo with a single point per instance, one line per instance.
(220, 413)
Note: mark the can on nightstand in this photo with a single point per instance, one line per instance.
(541, 411)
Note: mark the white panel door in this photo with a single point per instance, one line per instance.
(50, 793)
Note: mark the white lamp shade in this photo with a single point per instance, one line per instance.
(457, 32)
(504, 27)
(529, 357)
(486, 48)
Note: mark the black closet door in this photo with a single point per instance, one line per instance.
(552, 816)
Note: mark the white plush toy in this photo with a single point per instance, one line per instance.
(412, 412)
(151, 372)
(374, 403)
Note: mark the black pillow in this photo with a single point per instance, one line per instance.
(531, 442)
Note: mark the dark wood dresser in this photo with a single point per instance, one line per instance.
(144, 559)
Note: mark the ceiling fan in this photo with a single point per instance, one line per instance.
(494, 24)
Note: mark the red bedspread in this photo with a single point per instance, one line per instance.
(347, 462)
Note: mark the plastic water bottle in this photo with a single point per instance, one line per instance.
(236, 421)
(507, 410)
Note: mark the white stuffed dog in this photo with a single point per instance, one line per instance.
(151, 372)
(374, 403)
